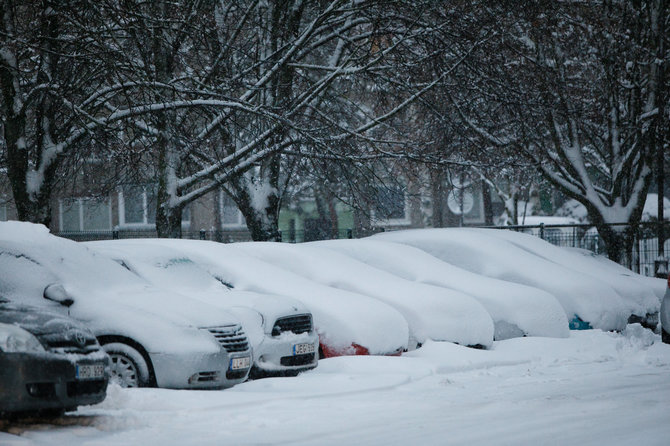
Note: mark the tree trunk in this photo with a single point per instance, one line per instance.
(618, 243)
(263, 224)
(488, 205)
(257, 197)
(438, 196)
(31, 189)
(168, 219)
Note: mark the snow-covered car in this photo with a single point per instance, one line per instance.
(48, 363)
(587, 301)
(517, 310)
(279, 328)
(600, 261)
(637, 291)
(665, 315)
(153, 337)
(347, 323)
(433, 313)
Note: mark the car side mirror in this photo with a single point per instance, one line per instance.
(57, 293)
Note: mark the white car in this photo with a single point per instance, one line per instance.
(153, 337)
(517, 310)
(346, 323)
(587, 301)
(280, 328)
(637, 291)
(433, 313)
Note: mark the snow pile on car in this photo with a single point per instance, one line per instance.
(340, 317)
(582, 295)
(432, 312)
(517, 310)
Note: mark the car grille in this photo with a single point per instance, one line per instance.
(231, 337)
(204, 377)
(70, 343)
(306, 359)
(236, 374)
(77, 388)
(297, 324)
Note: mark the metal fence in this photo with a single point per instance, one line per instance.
(644, 256)
(223, 236)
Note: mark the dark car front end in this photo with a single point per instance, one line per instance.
(48, 363)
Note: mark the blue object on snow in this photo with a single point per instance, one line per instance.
(578, 324)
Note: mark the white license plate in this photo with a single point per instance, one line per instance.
(240, 363)
(90, 371)
(303, 349)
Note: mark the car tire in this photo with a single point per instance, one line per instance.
(128, 366)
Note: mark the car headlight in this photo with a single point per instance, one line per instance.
(15, 339)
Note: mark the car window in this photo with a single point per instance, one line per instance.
(23, 277)
(177, 272)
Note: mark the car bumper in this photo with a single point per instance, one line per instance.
(198, 371)
(44, 381)
(277, 356)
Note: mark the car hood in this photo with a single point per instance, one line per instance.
(270, 306)
(37, 321)
(154, 303)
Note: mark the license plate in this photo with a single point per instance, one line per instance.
(303, 349)
(90, 371)
(240, 363)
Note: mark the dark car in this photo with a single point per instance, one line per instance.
(49, 364)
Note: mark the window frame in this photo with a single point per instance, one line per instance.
(404, 221)
(241, 222)
(80, 201)
(145, 210)
(145, 223)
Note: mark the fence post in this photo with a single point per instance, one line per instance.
(203, 234)
(115, 234)
(596, 244)
(279, 236)
(542, 231)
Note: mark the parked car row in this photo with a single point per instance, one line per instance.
(189, 314)
(146, 335)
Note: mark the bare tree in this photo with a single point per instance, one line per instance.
(298, 77)
(580, 89)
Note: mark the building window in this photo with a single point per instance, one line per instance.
(231, 216)
(137, 207)
(85, 214)
(390, 205)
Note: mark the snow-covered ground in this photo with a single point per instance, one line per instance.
(592, 388)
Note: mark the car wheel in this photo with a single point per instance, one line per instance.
(128, 366)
